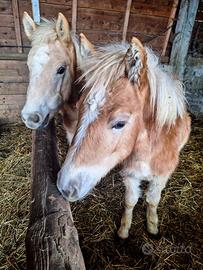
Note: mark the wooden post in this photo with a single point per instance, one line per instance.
(52, 239)
(36, 11)
(169, 26)
(17, 25)
(126, 20)
(183, 32)
(74, 16)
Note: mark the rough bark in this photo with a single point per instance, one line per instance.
(52, 239)
(183, 33)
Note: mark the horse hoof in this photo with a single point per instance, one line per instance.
(123, 234)
(120, 241)
(153, 236)
(153, 231)
(152, 228)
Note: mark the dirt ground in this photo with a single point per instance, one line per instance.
(178, 245)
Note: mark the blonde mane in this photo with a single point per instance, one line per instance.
(107, 65)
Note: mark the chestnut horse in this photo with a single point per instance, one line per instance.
(53, 60)
(130, 113)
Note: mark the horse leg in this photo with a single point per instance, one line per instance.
(70, 131)
(70, 119)
(132, 195)
(153, 196)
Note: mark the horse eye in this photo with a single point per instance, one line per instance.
(61, 70)
(119, 125)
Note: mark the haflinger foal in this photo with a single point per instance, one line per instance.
(130, 113)
(53, 63)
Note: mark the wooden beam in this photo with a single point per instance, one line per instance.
(13, 56)
(36, 11)
(169, 26)
(126, 20)
(183, 33)
(52, 240)
(17, 25)
(74, 16)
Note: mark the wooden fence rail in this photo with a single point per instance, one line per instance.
(52, 239)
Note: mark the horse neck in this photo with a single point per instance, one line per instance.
(76, 85)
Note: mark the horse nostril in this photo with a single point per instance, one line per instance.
(24, 120)
(65, 193)
(71, 193)
(74, 193)
(35, 118)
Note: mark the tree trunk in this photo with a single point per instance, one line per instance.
(52, 239)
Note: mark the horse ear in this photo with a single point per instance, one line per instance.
(29, 25)
(63, 29)
(86, 47)
(135, 60)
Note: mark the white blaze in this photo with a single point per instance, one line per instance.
(39, 60)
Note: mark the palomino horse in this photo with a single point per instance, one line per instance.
(52, 62)
(130, 113)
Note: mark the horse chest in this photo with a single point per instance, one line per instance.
(139, 169)
(142, 169)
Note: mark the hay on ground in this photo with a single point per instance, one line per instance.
(97, 217)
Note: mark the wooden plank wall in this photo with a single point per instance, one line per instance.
(13, 85)
(196, 46)
(102, 21)
(7, 28)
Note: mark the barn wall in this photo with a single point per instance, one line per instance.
(102, 21)
(7, 29)
(13, 84)
(194, 85)
(194, 67)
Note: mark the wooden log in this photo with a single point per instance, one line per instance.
(183, 33)
(52, 239)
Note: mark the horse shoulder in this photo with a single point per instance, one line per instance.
(166, 147)
(138, 162)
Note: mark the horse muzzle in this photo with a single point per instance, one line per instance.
(35, 120)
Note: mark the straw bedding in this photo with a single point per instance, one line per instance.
(97, 217)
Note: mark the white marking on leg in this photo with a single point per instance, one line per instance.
(153, 196)
(131, 197)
